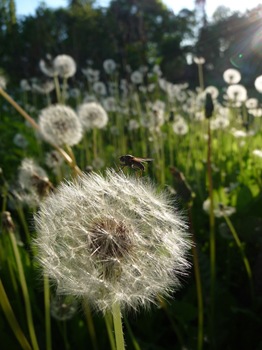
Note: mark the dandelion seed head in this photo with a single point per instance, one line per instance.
(136, 77)
(92, 115)
(54, 160)
(60, 125)
(258, 83)
(109, 66)
(20, 141)
(237, 93)
(63, 308)
(199, 60)
(232, 76)
(65, 66)
(180, 127)
(2, 82)
(111, 239)
(99, 88)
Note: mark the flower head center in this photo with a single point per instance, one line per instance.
(111, 239)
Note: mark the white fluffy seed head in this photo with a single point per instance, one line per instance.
(92, 115)
(65, 66)
(27, 173)
(60, 125)
(111, 239)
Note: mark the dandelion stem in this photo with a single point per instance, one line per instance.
(108, 321)
(47, 313)
(134, 341)
(244, 257)
(212, 237)
(201, 76)
(10, 316)
(198, 284)
(90, 324)
(25, 291)
(120, 344)
(57, 89)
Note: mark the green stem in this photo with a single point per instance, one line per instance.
(243, 254)
(120, 344)
(25, 292)
(134, 341)
(108, 321)
(198, 285)
(10, 316)
(47, 313)
(212, 238)
(57, 89)
(90, 324)
(201, 76)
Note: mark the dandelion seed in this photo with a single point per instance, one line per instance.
(232, 76)
(60, 125)
(92, 115)
(111, 240)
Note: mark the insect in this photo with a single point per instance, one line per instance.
(134, 162)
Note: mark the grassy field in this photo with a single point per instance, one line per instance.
(206, 146)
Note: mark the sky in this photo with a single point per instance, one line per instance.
(26, 7)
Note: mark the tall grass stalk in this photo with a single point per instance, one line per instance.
(26, 296)
(10, 316)
(47, 313)
(242, 252)
(134, 341)
(90, 324)
(109, 327)
(200, 305)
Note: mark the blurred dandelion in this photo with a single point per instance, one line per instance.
(232, 76)
(65, 66)
(60, 125)
(136, 77)
(180, 127)
(219, 209)
(237, 93)
(2, 82)
(258, 83)
(92, 115)
(109, 66)
(63, 308)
